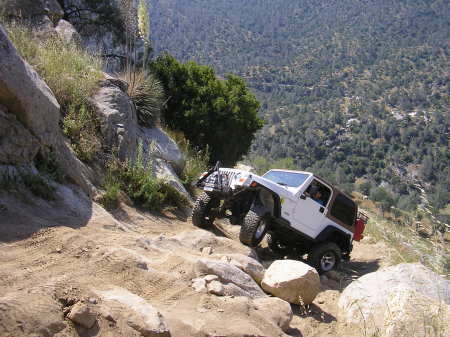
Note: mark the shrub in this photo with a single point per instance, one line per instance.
(147, 94)
(136, 179)
(81, 126)
(220, 113)
(110, 199)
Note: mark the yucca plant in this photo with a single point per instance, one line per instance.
(147, 94)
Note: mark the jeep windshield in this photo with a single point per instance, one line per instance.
(284, 178)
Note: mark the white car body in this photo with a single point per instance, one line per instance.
(303, 213)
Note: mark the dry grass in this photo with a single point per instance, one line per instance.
(72, 74)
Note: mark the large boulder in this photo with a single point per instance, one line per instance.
(67, 32)
(366, 299)
(162, 147)
(292, 281)
(118, 121)
(138, 313)
(28, 97)
(229, 274)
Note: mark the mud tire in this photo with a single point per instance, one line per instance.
(253, 229)
(201, 213)
(325, 257)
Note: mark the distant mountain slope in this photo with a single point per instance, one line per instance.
(350, 88)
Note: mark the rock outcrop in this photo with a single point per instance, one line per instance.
(118, 121)
(402, 291)
(292, 281)
(28, 97)
(234, 281)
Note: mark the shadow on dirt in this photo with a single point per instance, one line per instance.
(356, 269)
(313, 311)
(22, 214)
(294, 332)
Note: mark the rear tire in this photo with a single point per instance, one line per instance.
(325, 257)
(253, 229)
(201, 213)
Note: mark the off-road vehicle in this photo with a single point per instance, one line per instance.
(280, 204)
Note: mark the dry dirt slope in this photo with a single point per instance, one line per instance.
(54, 253)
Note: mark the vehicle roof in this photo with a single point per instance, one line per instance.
(292, 171)
(333, 186)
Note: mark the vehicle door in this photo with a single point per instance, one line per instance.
(309, 214)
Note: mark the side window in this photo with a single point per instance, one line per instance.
(318, 192)
(344, 210)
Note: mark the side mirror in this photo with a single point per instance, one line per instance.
(303, 197)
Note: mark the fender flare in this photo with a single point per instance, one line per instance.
(342, 239)
(259, 208)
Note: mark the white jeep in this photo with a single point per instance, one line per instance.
(300, 212)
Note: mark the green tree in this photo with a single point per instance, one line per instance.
(221, 114)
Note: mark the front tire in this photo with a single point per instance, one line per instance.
(253, 229)
(325, 257)
(201, 213)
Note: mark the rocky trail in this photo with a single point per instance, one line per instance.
(62, 256)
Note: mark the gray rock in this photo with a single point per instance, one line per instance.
(28, 97)
(216, 288)
(275, 310)
(17, 145)
(228, 273)
(82, 314)
(199, 284)
(292, 281)
(207, 250)
(67, 32)
(366, 297)
(141, 316)
(164, 171)
(117, 117)
(164, 147)
(210, 278)
(248, 265)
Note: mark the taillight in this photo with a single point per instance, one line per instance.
(359, 229)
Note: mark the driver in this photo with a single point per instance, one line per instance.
(316, 195)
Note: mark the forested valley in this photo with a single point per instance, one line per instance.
(356, 90)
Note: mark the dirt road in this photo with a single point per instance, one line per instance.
(49, 258)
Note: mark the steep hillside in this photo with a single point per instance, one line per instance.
(348, 88)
